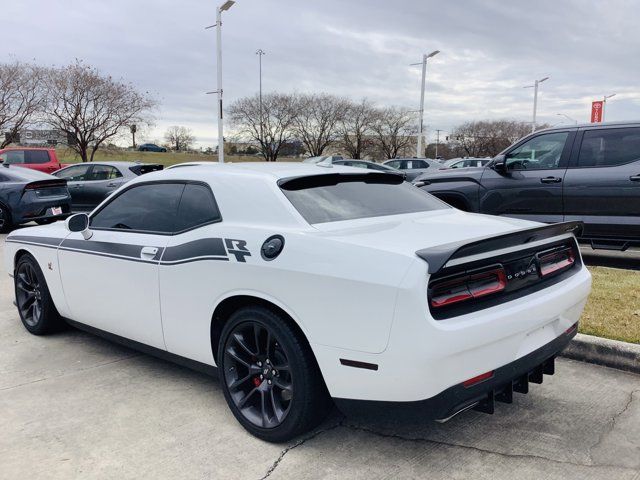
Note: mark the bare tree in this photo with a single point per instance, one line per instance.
(21, 97)
(279, 113)
(317, 120)
(179, 137)
(487, 138)
(355, 128)
(92, 108)
(395, 131)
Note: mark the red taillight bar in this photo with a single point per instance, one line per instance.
(468, 287)
(556, 261)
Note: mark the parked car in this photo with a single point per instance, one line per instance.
(41, 159)
(28, 195)
(151, 147)
(589, 173)
(465, 163)
(369, 166)
(314, 283)
(91, 183)
(413, 167)
(323, 159)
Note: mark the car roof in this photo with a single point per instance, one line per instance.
(266, 170)
(581, 126)
(115, 163)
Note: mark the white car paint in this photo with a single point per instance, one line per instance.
(356, 288)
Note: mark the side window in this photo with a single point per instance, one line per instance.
(394, 164)
(13, 157)
(149, 207)
(541, 152)
(609, 147)
(36, 156)
(197, 207)
(73, 174)
(103, 172)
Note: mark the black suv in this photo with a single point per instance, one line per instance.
(585, 172)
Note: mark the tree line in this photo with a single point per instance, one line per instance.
(90, 108)
(320, 121)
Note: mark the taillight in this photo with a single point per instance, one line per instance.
(555, 262)
(468, 286)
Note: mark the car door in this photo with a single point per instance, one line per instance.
(194, 268)
(101, 181)
(76, 177)
(602, 184)
(531, 185)
(111, 280)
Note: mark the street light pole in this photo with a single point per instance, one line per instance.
(604, 103)
(437, 141)
(425, 57)
(535, 100)
(225, 6)
(567, 117)
(260, 53)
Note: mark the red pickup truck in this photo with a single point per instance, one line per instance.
(41, 159)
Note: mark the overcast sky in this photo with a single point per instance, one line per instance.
(490, 50)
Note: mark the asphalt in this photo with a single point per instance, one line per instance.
(76, 406)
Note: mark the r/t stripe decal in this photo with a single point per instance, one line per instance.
(197, 250)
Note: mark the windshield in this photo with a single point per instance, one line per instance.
(336, 197)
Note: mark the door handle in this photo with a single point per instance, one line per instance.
(112, 184)
(551, 180)
(148, 252)
(635, 178)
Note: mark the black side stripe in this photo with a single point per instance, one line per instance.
(197, 250)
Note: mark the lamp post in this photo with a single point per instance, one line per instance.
(425, 57)
(604, 103)
(260, 53)
(535, 100)
(567, 117)
(225, 6)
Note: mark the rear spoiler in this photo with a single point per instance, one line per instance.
(45, 184)
(439, 256)
(143, 168)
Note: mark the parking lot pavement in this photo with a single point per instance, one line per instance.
(75, 406)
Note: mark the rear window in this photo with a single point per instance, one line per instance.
(336, 197)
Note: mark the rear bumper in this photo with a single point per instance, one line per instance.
(514, 376)
(39, 210)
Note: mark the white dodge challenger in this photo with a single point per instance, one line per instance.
(310, 285)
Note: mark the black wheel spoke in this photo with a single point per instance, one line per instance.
(256, 336)
(238, 382)
(281, 384)
(263, 408)
(241, 342)
(244, 399)
(232, 353)
(277, 410)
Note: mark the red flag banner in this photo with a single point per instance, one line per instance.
(596, 111)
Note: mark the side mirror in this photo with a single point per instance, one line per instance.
(499, 163)
(79, 223)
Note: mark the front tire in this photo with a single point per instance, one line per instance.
(269, 376)
(5, 219)
(35, 306)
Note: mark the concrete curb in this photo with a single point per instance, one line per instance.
(601, 351)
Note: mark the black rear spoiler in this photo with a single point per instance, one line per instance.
(143, 168)
(438, 256)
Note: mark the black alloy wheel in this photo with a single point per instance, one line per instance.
(35, 306)
(257, 374)
(269, 375)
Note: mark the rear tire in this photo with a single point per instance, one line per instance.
(269, 376)
(5, 219)
(35, 305)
